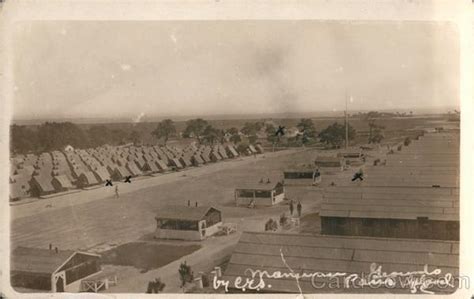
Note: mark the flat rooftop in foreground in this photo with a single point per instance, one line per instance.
(330, 254)
(391, 203)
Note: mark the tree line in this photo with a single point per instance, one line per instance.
(51, 136)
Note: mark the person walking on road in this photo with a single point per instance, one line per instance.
(291, 207)
(116, 192)
(298, 208)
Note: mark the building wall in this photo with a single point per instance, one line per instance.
(28, 280)
(391, 228)
(292, 182)
(213, 229)
(189, 235)
(279, 198)
(259, 201)
(75, 287)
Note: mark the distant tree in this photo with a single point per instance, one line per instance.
(252, 139)
(234, 135)
(117, 136)
(98, 135)
(306, 125)
(55, 136)
(376, 134)
(307, 129)
(185, 273)
(242, 148)
(334, 135)
(195, 128)
(165, 130)
(252, 128)
(135, 137)
(211, 135)
(373, 115)
(22, 139)
(270, 130)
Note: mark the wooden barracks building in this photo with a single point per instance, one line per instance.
(52, 269)
(187, 223)
(419, 213)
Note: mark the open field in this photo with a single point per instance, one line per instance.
(80, 225)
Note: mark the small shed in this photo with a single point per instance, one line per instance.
(19, 189)
(197, 160)
(120, 173)
(151, 167)
(101, 174)
(175, 163)
(61, 183)
(185, 161)
(302, 174)
(265, 192)
(231, 151)
(215, 156)
(252, 149)
(187, 222)
(206, 156)
(352, 158)
(161, 165)
(330, 164)
(87, 179)
(222, 152)
(133, 169)
(41, 185)
(259, 148)
(51, 269)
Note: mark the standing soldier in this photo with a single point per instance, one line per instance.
(116, 192)
(291, 207)
(298, 208)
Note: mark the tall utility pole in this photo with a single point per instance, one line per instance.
(347, 125)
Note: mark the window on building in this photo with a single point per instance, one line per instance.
(245, 193)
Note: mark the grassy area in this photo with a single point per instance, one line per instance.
(146, 256)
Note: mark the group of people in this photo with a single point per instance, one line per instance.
(299, 207)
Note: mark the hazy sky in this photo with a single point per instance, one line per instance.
(156, 68)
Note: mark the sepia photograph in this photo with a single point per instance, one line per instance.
(289, 156)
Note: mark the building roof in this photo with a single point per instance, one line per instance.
(256, 185)
(102, 173)
(161, 164)
(90, 177)
(63, 181)
(44, 182)
(19, 189)
(38, 260)
(331, 254)
(407, 203)
(183, 212)
(301, 168)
